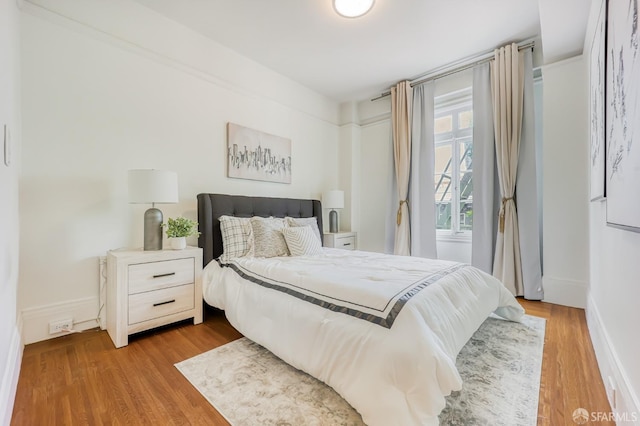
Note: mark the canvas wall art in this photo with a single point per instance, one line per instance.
(597, 101)
(623, 115)
(255, 155)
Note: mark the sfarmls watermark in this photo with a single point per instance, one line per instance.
(582, 416)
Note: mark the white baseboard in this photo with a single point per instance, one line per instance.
(565, 292)
(83, 312)
(9, 382)
(626, 406)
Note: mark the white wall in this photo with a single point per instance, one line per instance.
(375, 174)
(565, 183)
(612, 309)
(348, 168)
(117, 87)
(10, 341)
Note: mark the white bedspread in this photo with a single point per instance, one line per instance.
(383, 331)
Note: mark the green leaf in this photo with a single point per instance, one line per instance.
(181, 227)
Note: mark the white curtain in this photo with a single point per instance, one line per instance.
(527, 191)
(507, 86)
(485, 185)
(421, 185)
(401, 124)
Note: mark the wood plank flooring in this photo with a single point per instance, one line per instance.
(570, 375)
(82, 379)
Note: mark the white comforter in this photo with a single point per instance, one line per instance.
(383, 331)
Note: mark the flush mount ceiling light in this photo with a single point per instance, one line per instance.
(352, 8)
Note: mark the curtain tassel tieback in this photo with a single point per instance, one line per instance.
(504, 201)
(399, 215)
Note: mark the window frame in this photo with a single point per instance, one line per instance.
(454, 103)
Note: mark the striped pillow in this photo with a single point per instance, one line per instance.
(237, 237)
(305, 221)
(302, 241)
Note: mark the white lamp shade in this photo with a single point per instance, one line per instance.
(153, 186)
(333, 199)
(352, 8)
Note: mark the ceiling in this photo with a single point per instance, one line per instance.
(354, 59)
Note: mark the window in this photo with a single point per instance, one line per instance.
(453, 132)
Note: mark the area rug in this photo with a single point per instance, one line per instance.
(500, 367)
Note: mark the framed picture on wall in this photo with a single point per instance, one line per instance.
(597, 69)
(256, 155)
(623, 115)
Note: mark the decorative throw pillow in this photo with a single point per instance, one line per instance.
(302, 241)
(305, 221)
(267, 237)
(237, 237)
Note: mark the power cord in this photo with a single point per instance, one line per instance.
(103, 280)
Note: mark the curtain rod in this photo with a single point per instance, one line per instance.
(456, 67)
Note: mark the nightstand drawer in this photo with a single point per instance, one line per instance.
(156, 275)
(341, 240)
(347, 243)
(159, 303)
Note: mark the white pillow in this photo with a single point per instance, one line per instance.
(268, 240)
(237, 237)
(305, 221)
(302, 241)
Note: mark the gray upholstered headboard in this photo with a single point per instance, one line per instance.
(212, 206)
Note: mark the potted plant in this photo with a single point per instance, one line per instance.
(179, 229)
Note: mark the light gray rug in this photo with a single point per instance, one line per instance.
(500, 366)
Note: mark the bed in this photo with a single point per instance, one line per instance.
(383, 331)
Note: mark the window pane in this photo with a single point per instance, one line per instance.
(443, 186)
(453, 177)
(466, 155)
(466, 215)
(466, 186)
(443, 215)
(443, 124)
(465, 119)
(466, 201)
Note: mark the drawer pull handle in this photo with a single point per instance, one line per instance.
(164, 303)
(164, 275)
(346, 244)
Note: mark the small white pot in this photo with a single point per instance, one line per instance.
(178, 243)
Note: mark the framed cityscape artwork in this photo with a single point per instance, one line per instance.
(255, 155)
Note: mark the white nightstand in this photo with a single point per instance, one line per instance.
(147, 289)
(343, 240)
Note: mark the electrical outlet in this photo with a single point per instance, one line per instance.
(60, 326)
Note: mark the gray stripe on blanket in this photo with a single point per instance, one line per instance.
(385, 322)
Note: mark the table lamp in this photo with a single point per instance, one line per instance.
(333, 200)
(153, 187)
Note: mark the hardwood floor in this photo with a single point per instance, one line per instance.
(82, 379)
(570, 376)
